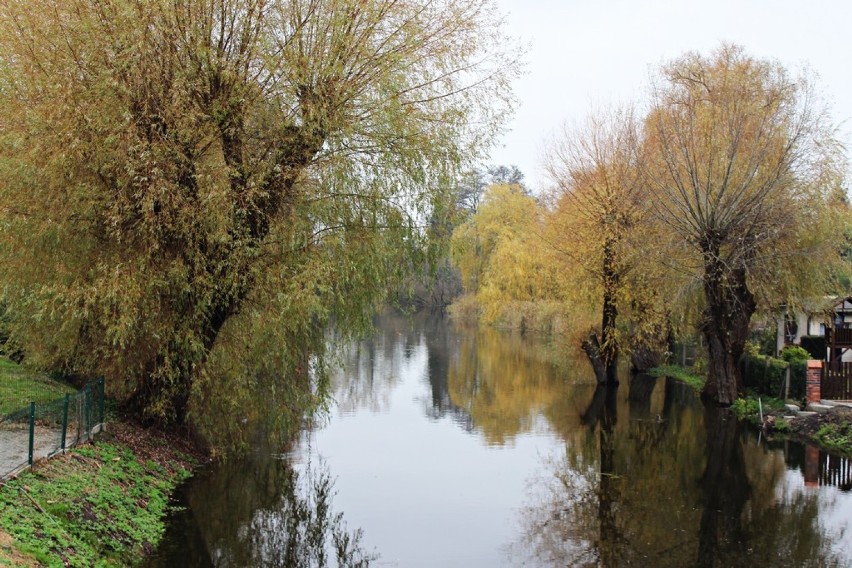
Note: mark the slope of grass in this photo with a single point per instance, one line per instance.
(19, 386)
(98, 505)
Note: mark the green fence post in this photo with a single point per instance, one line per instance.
(101, 402)
(32, 432)
(65, 420)
(87, 412)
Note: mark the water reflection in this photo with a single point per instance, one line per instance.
(493, 383)
(260, 512)
(438, 431)
(649, 491)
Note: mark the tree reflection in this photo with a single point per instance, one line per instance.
(372, 368)
(505, 382)
(681, 489)
(725, 490)
(260, 513)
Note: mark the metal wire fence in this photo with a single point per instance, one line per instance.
(41, 430)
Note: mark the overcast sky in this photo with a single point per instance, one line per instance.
(586, 54)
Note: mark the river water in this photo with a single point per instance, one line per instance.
(452, 447)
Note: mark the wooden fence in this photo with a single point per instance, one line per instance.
(836, 384)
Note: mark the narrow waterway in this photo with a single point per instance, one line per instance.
(453, 447)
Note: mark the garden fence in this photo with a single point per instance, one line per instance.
(42, 430)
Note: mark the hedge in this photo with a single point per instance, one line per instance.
(765, 375)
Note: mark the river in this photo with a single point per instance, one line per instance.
(452, 447)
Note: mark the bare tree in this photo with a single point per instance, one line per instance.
(744, 168)
(599, 189)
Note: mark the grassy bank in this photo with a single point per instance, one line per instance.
(100, 504)
(679, 373)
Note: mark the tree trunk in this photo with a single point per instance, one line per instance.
(592, 348)
(725, 326)
(609, 343)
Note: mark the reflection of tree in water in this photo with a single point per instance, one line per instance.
(654, 491)
(260, 513)
(725, 490)
(505, 383)
(485, 381)
(372, 368)
(442, 341)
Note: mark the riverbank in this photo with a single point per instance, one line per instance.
(101, 504)
(830, 429)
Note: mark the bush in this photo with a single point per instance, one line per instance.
(792, 353)
(766, 375)
(465, 309)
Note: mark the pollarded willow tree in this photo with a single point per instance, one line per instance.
(191, 189)
(599, 219)
(747, 174)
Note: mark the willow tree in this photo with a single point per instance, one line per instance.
(191, 189)
(496, 251)
(598, 215)
(747, 174)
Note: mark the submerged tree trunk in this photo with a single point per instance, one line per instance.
(592, 348)
(725, 326)
(603, 352)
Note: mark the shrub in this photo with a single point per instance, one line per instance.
(766, 375)
(465, 309)
(792, 353)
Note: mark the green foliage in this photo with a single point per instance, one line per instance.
(795, 354)
(781, 426)
(836, 437)
(692, 379)
(98, 506)
(191, 199)
(752, 348)
(762, 342)
(766, 375)
(699, 367)
(749, 407)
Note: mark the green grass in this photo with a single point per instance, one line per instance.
(836, 437)
(679, 373)
(20, 386)
(748, 408)
(98, 506)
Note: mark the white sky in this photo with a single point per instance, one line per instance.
(586, 54)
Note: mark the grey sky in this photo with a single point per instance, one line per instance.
(584, 54)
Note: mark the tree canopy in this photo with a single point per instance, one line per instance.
(745, 172)
(186, 184)
(727, 197)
